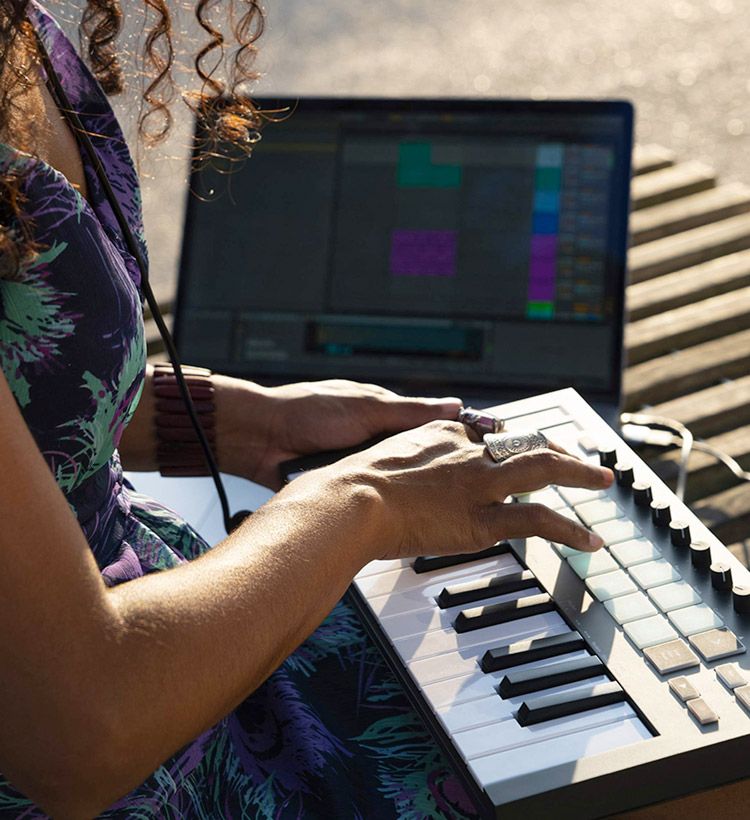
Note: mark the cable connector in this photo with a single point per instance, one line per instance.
(638, 434)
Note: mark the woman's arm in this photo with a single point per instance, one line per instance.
(258, 427)
(99, 686)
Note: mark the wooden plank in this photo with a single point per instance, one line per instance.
(670, 183)
(647, 158)
(689, 248)
(689, 212)
(713, 410)
(667, 377)
(706, 474)
(687, 325)
(690, 285)
(726, 514)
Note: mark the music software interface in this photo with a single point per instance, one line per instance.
(425, 246)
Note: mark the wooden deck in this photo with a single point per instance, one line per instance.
(688, 334)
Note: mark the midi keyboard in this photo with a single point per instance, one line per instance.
(577, 684)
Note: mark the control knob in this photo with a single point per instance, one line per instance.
(679, 533)
(642, 494)
(700, 555)
(624, 474)
(721, 575)
(661, 514)
(608, 457)
(741, 599)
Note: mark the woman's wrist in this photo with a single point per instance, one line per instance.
(245, 414)
(344, 502)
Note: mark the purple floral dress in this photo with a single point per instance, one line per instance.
(330, 734)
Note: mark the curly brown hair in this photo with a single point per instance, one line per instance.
(228, 118)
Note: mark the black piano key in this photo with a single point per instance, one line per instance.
(536, 649)
(549, 707)
(428, 563)
(493, 614)
(469, 591)
(523, 682)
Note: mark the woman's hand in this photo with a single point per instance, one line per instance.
(441, 492)
(264, 427)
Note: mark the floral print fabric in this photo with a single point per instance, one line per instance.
(331, 733)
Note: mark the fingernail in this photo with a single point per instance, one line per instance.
(595, 541)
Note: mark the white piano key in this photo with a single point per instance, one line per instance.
(493, 770)
(479, 684)
(493, 709)
(403, 589)
(451, 664)
(418, 622)
(509, 734)
(376, 567)
(440, 641)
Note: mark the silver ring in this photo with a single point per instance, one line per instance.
(480, 422)
(504, 445)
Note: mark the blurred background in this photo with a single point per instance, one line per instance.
(684, 63)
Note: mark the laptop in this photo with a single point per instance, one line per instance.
(438, 247)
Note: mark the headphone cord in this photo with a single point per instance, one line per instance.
(231, 522)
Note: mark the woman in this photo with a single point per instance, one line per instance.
(232, 685)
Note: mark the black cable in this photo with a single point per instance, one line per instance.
(62, 101)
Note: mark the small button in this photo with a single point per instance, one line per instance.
(587, 444)
(730, 676)
(716, 644)
(649, 631)
(610, 585)
(577, 495)
(654, 573)
(661, 514)
(636, 551)
(586, 564)
(683, 689)
(702, 712)
(671, 656)
(674, 596)
(700, 555)
(693, 619)
(741, 599)
(608, 457)
(742, 693)
(679, 533)
(597, 511)
(621, 529)
(630, 607)
(624, 474)
(721, 576)
(642, 494)
(565, 551)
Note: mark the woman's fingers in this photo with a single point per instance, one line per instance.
(531, 471)
(526, 520)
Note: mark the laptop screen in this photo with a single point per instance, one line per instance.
(431, 245)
